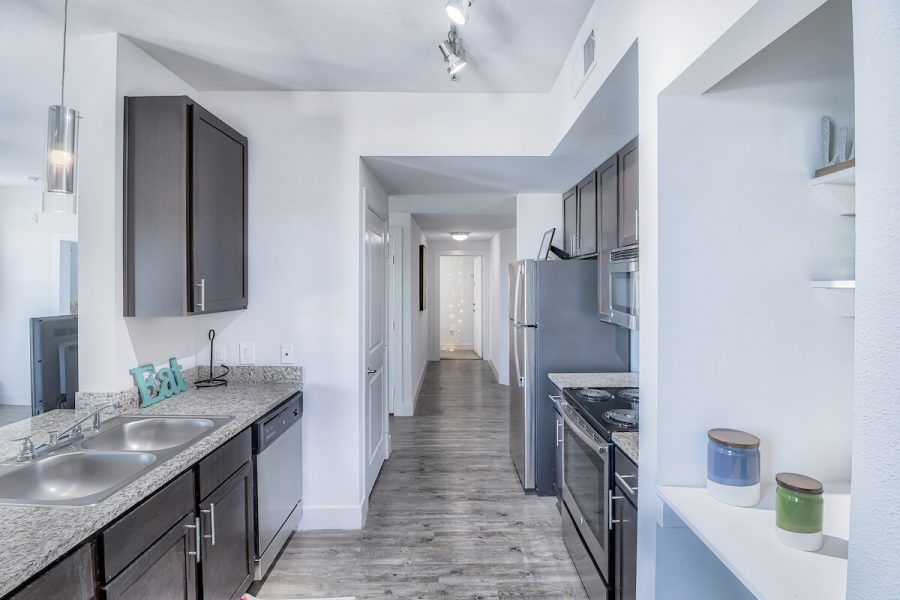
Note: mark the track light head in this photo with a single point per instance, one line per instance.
(458, 11)
(453, 52)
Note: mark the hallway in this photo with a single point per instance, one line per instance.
(447, 517)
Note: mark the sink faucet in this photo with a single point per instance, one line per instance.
(28, 451)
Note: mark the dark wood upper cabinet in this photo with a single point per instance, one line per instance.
(185, 229)
(629, 205)
(587, 216)
(607, 228)
(570, 220)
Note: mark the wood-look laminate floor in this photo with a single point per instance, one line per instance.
(459, 355)
(447, 517)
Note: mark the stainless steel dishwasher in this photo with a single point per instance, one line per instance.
(277, 499)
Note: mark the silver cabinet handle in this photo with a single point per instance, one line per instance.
(197, 541)
(637, 225)
(620, 479)
(609, 507)
(202, 304)
(211, 536)
(370, 371)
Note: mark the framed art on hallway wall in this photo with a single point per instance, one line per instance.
(423, 275)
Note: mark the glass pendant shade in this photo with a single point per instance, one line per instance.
(62, 142)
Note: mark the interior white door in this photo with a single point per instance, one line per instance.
(476, 306)
(395, 323)
(376, 345)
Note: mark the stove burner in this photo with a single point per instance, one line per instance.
(631, 394)
(622, 416)
(595, 395)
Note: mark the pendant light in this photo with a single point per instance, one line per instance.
(62, 144)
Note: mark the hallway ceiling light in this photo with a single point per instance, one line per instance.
(459, 236)
(458, 11)
(453, 52)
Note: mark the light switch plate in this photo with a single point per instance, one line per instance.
(247, 353)
(287, 354)
(220, 355)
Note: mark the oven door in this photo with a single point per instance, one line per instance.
(586, 485)
(623, 289)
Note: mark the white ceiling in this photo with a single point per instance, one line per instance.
(608, 122)
(480, 214)
(342, 45)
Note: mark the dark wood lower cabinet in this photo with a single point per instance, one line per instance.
(625, 561)
(167, 569)
(227, 525)
(72, 578)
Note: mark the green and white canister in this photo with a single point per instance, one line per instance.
(799, 510)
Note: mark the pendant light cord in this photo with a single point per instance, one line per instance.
(62, 101)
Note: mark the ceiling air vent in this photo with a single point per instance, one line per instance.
(584, 62)
(588, 53)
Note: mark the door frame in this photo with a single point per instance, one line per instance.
(395, 318)
(434, 318)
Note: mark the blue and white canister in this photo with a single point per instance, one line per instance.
(732, 467)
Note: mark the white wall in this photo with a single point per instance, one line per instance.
(29, 248)
(535, 214)
(305, 264)
(503, 252)
(457, 293)
(874, 519)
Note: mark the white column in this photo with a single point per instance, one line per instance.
(875, 515)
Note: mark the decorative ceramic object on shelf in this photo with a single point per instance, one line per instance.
(732, 467)
(799, 511)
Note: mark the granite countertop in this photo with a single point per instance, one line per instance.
(627, 441)
(579, 380)
(32, 537)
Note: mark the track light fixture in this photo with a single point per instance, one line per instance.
(453, 52)
(458, 11)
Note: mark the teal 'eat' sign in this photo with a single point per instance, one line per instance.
(158, 385)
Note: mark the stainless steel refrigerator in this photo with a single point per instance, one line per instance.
(554, 326)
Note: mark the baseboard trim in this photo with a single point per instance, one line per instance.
(494, 369)
(333, 517)
(415, 398)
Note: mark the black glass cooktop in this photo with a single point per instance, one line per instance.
(608, 410)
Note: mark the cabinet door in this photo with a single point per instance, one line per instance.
(587, 215)
(168, 569)
(629, 218)
(557, 477)
(218, 231)
(625, 561)
(74, 574)
(226, 518)
(607, 229)
(570, 220)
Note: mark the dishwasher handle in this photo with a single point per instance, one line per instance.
(272, 426)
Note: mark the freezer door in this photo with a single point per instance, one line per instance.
(521, 403)
(522, 293)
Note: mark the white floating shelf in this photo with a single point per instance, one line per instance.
(839, 294)
(744, 540)
(838, 189)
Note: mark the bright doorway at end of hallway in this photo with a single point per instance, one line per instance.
(461, 307)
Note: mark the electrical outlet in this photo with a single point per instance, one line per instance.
(247, 353)
(287, 354)
(220, 355)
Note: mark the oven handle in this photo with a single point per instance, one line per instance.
(601, 448)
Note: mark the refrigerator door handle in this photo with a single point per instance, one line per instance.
(516, 320)
(520, 381)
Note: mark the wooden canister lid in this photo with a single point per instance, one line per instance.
(734, 438)
(799, 483)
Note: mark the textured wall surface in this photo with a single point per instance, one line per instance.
(875, 516)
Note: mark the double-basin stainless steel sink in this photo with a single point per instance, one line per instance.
(96, 466)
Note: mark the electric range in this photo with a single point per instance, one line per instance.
(607, 410)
